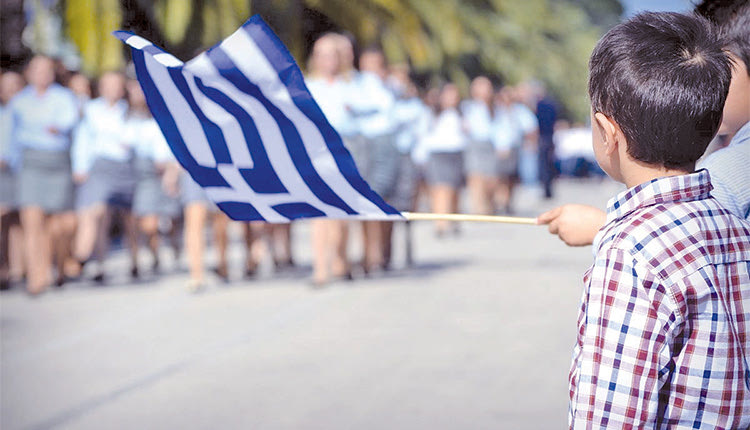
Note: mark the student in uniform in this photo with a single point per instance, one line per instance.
(103, 170)
(44, 115)
(507, 140)
(10, 84)
(151, 196)
(410, 113)
(373, 105)
(329, 236)
(445, 143)
(480, 160)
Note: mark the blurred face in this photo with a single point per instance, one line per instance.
(10, 84)
(737, 106)
(523, 93)
(41, 72)
(449, 97)
(400, 74)
(112, 87)
(504, 97)
(346, 52)
(80, 85)
(432, 97)
(481, 89)
(135, 94)
(373, 62)
(325, 61)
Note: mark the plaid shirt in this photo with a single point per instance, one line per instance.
(665, 314)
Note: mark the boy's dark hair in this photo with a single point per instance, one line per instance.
(663, 78)
(732, 18)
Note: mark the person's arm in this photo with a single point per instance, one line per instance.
(623, 353)
(170, 179)
(6, 138)
(529, 126)
(576, 225)
(15, 151)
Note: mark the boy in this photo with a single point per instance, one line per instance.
(577, 225)
(662, 330)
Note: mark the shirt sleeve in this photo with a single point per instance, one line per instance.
(80, 151)
(623, 349)
(372, 98)
(67, 117)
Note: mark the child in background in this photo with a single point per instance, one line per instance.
(445, 142)
(730, 174)
(664, 319)
(44, 115)
(479, 157)
(153, 158)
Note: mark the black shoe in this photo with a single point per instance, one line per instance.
(134, 273)
(250, 273)
(4, 285)
(98, 278)
(282, 265)
(346, 277)
(59, 282)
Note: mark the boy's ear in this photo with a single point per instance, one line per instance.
(609, 130)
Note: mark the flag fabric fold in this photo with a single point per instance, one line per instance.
(241, 121)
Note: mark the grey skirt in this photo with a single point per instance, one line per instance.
(406, 185)
(359, 150)
(149, 198)
(109, 182)
(480, 159)
(45, 180)
(507, 166)
(384, 162)
(7, 187)
(445, 168)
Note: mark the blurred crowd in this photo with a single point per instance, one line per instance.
(82, 165)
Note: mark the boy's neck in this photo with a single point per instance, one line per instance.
(639, 173)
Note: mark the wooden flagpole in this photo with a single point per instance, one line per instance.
(411, 216)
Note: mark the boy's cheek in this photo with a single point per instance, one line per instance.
(737, 107)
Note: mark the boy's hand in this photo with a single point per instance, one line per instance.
(576, 225)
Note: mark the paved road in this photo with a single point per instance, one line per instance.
(478, 336)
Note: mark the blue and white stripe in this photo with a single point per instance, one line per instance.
(241, 121)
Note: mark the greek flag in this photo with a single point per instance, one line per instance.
(241, 121)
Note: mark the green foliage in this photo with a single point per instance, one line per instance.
(548, 40)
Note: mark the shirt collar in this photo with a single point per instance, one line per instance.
(670, 189)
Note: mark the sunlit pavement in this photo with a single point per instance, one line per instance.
(477, 336)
